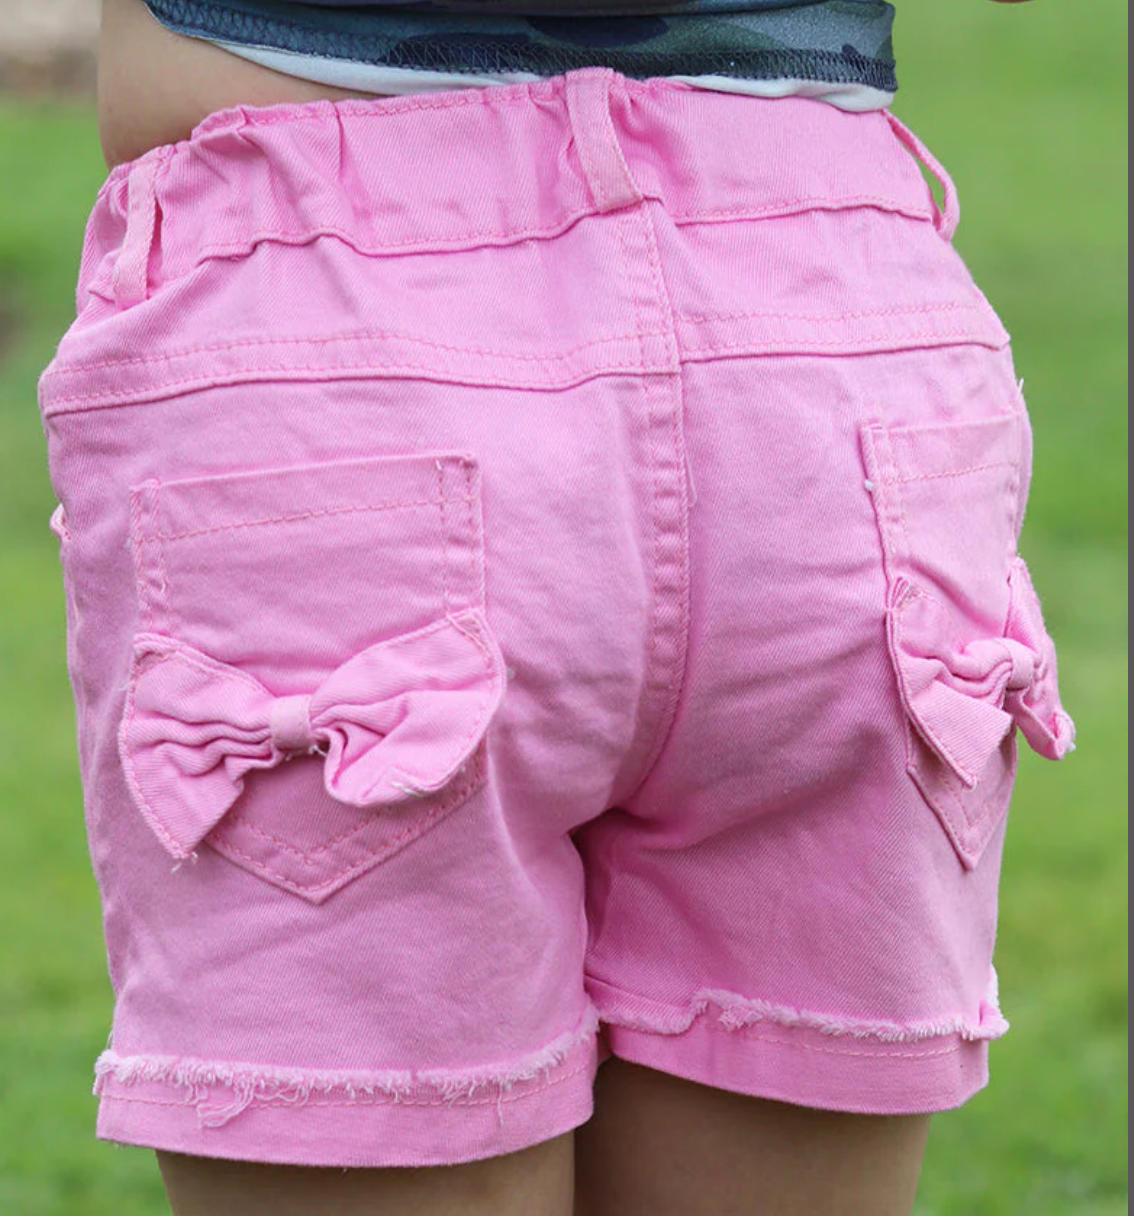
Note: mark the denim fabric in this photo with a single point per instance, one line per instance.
(542, 579)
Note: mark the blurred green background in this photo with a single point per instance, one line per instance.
(1027, 106)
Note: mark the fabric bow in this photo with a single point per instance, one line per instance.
(394, 722)
(965, 698)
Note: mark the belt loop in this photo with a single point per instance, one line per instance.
(130, 279)
(604, 167)
(945, 219)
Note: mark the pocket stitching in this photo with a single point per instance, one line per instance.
(976, 468)
(154, 590)
(948, 783)
(886, 482)
(145, 535)
(442, 806)
(290, 519)
(444, 538)
(973, 832)
(339, 879)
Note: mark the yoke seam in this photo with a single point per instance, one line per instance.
(393, 336)
(782, 348)
(513, 236)
(362, 335)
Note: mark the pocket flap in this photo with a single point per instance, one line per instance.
(392, 723)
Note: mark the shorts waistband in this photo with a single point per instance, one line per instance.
(491, 166)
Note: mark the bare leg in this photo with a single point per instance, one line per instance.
(534, 1182)
(662, 1146)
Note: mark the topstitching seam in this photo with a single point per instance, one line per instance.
(365, 335)
(52, 401)
(444, 529)
(651, 649)
(859, 343)
(657, 744)
(975, 468)
(387, 1099)
(291, 519)
(896, 311)
(793, 206)
(434, 243)
(884, 1050)
(224, 843)
(359, 335)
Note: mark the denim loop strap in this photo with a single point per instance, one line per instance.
(604, 167)
(948, 216)
(130, 280)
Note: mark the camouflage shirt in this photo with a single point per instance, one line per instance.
(837, 49)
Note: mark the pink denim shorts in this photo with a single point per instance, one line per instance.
(542, 583)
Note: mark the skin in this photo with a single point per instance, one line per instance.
(657, 1145)
(662, 1146)
(535, 1182)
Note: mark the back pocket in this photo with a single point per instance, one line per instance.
(966, 636)
(313, 677)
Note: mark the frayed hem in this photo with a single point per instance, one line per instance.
(736, 1013)
(243, 1086)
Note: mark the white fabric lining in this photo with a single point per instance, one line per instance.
(378, 79)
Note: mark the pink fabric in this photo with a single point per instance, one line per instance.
(542, 581)
(194, 728)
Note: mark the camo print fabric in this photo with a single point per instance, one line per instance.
(844, 42)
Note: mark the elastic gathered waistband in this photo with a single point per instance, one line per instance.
(496, 165)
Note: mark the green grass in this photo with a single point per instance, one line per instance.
(54, 994)
(1027, 107)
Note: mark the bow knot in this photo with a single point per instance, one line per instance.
(965, 697)
(394, 722)
(1022, 673)
(289, 721)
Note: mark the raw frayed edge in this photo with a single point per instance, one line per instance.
(734, 1012)
(261, 1086)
